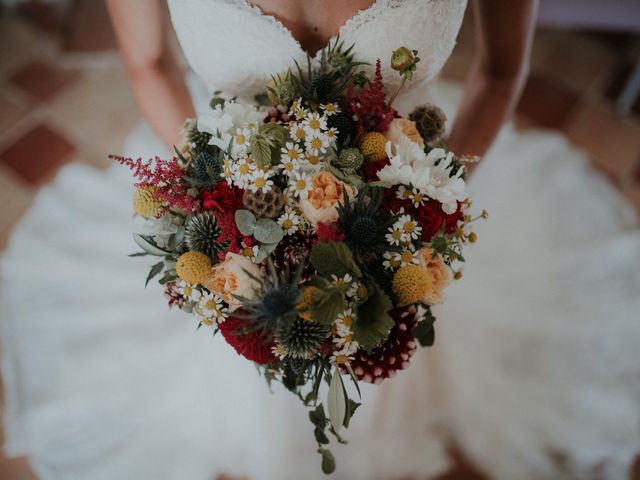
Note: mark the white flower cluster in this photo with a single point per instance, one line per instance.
(343, 337)
(429, 174)
(208, 306)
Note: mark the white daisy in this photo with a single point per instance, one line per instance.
(330, 108)
(289, 222)
(314, 123)
(391, 260)
(211, 306)
(298, 132)
(409, 227)
(261, 180)
(278, 351)
(298, 110)
(343, 281)
(300, 183)
(291, 151)
(243, 171)
(317, 143)
(395, 236)
(240, 143)
(340, 357)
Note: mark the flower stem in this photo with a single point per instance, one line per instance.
(395, 94)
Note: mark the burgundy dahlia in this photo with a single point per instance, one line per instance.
(251, 344)
(392, 355)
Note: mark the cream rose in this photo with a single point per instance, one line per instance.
(233, 277)
(402, 126)
(319, 204)
(438, 273)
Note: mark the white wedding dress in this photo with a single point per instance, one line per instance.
(537, 350)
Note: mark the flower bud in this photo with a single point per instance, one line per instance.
(402, 58)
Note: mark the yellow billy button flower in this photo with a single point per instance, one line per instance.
(145, 204)
(411, 283)
(193, 267)
(373, 146)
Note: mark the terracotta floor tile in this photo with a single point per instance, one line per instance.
(613, 142)
(12, 110)
(43, 80)
(546, 103)
(36, 156)
(19, 43)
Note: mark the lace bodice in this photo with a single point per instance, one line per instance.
(234, 47)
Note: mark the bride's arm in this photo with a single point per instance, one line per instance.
(504, 30)
(157, 80)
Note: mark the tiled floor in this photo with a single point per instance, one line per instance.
(64, 97)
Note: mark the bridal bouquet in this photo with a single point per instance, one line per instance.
(313, 229)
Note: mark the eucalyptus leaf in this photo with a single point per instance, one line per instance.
(246, 222)
(336, 403)
(264, 251)
(149, 246)
(268, 231)
(155, 270)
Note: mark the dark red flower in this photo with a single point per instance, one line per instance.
(429, 216)
(248, 343)
(223, 198)
(330, 232)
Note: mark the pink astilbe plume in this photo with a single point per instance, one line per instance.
(167, 176)
(370, 106)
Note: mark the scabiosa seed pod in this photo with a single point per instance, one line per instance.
(264, 204)
(201, 234)
(402, 58)
(430, 122)
(392, 355)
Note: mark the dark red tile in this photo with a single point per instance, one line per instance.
(37, 155)
(546, 103)
(42, 80)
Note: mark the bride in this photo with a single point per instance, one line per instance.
(536, 372)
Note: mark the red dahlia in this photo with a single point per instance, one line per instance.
(393, 355)
(248, 343)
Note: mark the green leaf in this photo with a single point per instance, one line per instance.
(321, 437)
(317, 416)
(353, 377)
(424, 333)
(326, 308)
(334, 258)
(138, 254)
(328, 461)
(155, 270)
(261, 151)
(246, 222)
(264, 251)
(268, 231)
(352, 406)
(374, 322)
(147, 244)
(336, 403)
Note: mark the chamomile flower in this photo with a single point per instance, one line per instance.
(395, 235)
(330, 108)
(343, 342)
(289, 222)
(291, 151)
(261, 180)
(251, 252)
(340, 357)
(345, 320)
(243, 171)
(409, 227)
(298, 132)
(211, 306)
(227, 171)
(240, 143)
(300, 184)
(391, 260)
(188, 291)
(288, 166)
(317, 143)
(315, 123)
(343, 281)
(403, 193)
(332, 134)
(312, 162)
(417, 197)
(278, 351)
(298, 110)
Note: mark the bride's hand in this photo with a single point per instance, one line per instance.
(504, 31)
(157, 80)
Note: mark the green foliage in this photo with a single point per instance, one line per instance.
(146, 243)
(264, 230)
(336, 401)
(374, 322)
(155, 270)
(266, 144)
(424, 331)
(334, 258)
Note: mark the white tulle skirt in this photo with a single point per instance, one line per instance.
(537, 347)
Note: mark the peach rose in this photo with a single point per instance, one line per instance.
(439, 274)
(321, 201)
(233, 277)
(402, 126)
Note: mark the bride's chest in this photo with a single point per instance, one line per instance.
(234, 45)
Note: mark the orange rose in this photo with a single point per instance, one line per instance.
(402, 126)
(439, 274)
(233, 277)
(319, 205)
